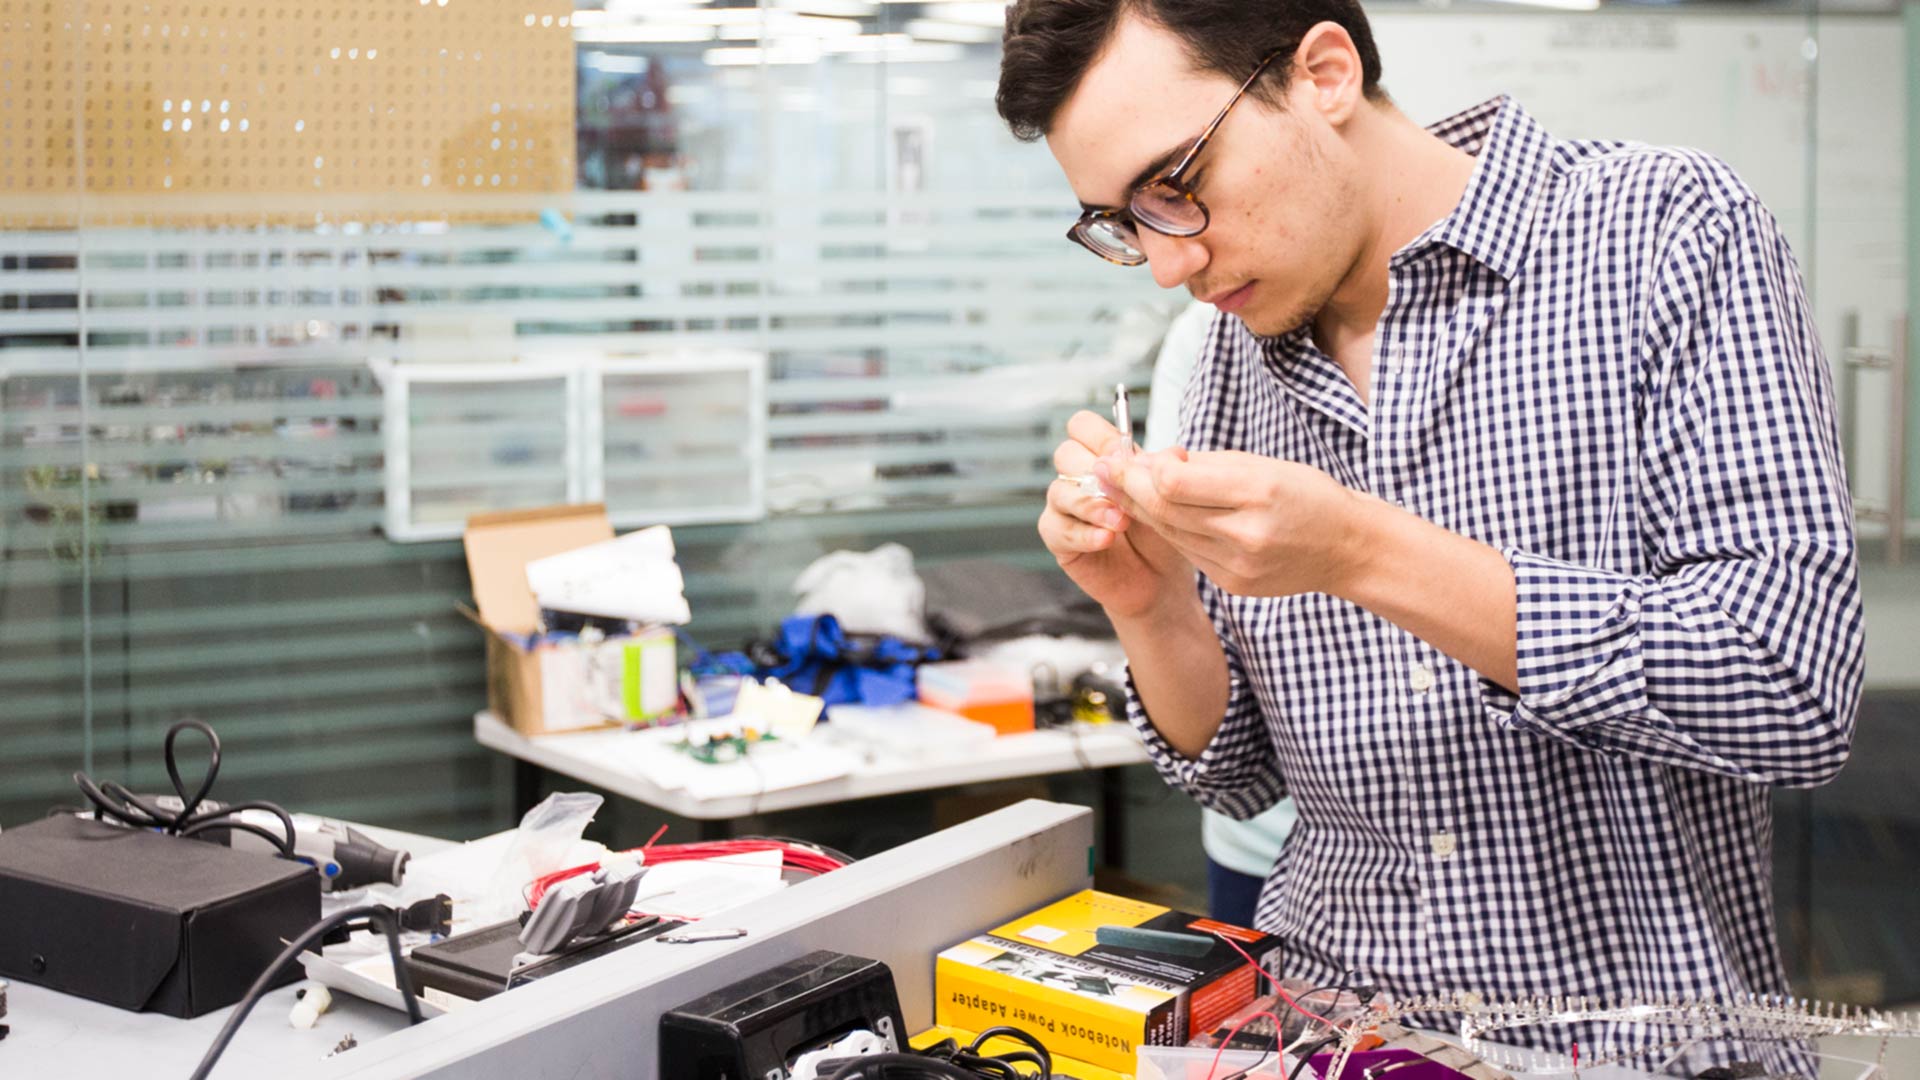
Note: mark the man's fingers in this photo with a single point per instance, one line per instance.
(1066, 496)
(1219, 480)
(1093, 431)
(1067, 536)
(1073, 458)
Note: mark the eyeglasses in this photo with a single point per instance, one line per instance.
(1167, 205)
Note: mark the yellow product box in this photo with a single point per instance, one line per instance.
(1074, 1008)
(1064, 1068)
(1212, 984)
(1049, 973)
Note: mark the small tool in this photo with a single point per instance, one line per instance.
(1123, 418)
(698, 934)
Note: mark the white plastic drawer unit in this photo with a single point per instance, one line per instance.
(674, 438)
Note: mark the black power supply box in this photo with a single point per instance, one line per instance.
(145, 921)
(753, 1029)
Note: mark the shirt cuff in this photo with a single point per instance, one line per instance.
(1236, 774)
(1579, 648)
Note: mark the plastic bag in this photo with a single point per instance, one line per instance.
(545, 842)
(872, 592)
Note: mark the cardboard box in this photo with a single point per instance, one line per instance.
(543, 687)
(1075, 1009)
(1046, 972)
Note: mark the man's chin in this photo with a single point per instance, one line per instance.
(1268, 324)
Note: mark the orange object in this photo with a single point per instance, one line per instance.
(998, 697)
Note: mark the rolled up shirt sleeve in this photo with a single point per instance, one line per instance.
(1238, 774)
(1739, 651)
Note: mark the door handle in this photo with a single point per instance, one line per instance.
(1855, 358)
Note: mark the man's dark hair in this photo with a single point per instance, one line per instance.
(1050, 44)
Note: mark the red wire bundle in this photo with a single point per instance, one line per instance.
(792, 857)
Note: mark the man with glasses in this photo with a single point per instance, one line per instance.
(1510, 477)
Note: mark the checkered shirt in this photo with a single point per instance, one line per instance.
(1603, 364)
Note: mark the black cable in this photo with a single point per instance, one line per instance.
(1045, 1059)
(1307, 1055)
(154, 811)
(112, 799)
(173, 771)
(1261, 1060)
(280, 842)
(206, 817)
(377, 915)
(104, 807)
(892, 1067)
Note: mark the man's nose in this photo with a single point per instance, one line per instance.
(1173, 259)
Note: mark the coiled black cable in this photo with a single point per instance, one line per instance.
(110, 799)
(975, 1064)
(376, 916)
(895, 1067)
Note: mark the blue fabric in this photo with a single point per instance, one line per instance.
(1231, 895)
(814, 655)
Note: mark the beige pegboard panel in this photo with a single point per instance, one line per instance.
(282, 111)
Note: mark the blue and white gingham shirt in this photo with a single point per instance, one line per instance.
(1603, 364)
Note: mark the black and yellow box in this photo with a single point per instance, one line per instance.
(1047, 973)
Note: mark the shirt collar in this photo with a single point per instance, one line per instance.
(1495, 215)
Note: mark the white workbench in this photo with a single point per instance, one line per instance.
(592, 757)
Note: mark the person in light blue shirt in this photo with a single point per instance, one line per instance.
(1240, 854)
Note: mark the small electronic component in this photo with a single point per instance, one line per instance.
(1123, 421)
(1123, 418)
(582, 907)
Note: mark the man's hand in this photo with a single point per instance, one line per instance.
(1257, 526)
(1128, 569)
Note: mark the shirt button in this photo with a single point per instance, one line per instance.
(1444, 844)
(1421, 678)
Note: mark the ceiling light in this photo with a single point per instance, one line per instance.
(848, 8)
(641, 33)
(941, 30)
(977, 12)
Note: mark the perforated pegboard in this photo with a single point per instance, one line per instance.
(197, 112)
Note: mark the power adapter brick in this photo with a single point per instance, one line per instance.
(145, 921)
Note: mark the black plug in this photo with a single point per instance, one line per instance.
(433, 915)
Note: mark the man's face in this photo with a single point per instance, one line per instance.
(1279, 184)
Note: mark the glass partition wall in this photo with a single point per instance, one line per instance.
(286, 292)
(290, 291)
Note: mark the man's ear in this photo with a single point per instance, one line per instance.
(1329, 67)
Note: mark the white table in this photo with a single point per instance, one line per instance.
(580, 755)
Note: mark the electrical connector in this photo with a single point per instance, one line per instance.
(434, 915)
